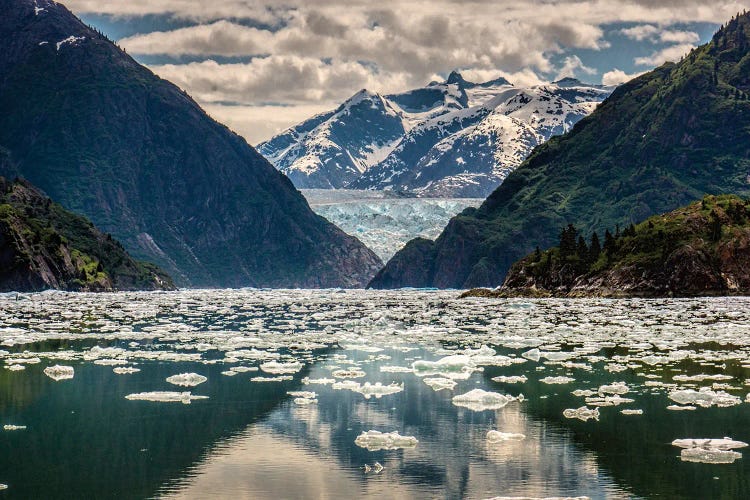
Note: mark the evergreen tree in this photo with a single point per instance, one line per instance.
(609, 242)
(595, 249)
(568, 242)
(582, 250)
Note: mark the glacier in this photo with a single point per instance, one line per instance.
(385, 221)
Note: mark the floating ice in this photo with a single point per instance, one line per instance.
(110, 362)
(480, 400)
(302, 394)
(280, 378)
(512, 379)
(584, 393)
(700, 455)
(229, 373)
(718, 444)
(125, 370)
(499, 437)
(375, 440)
(165, 397)
(704, 397)
(59, 372)
(11, 427)
(305, 401)
(631, 412)
(243, 369)
(378, 390)
(440, 383)
(25, 361)
(15, 368)
(700, 377)
(583, 413)
(353, 373)
(681, 408)
(396, 369)
(319, 381)
(557, 380)
(615, 400)
(187, 379)
(276, 368)
(615, 388)
(532, 355)
(458, 367)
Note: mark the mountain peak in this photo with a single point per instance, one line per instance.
(455, 77)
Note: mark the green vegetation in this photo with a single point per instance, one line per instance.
(661, 141)
(42, 245)
(703, 248)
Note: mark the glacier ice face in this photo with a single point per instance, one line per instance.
(385, 222)
(376, 440)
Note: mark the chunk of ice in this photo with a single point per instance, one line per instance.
(351, 373)
(705, 397)
(710, 444)
(556, 380)
(11, 427)
(59, 372)
(512, 379)
(276, 368)
(480, 400)
(583, 413)
(631, 412)
(280, 378)
(165, 397)
(440, 383)
(127, 370)
(615, 388)
(703, 456)
(375, 440)
(187, 379)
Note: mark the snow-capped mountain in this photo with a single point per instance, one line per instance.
(449, 139)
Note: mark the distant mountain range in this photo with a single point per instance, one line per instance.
(106, 138)
(449, 139)
(659, 142)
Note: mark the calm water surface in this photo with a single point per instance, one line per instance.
(252, 439)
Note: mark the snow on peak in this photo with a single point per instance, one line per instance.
(71, 40)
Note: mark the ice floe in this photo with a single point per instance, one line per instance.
(127, 370)
(187, 379)
(480, 400)
(440, 383)
(165, 397)
(277, 368)
(704, 397)
(11, 427)
(583, 413)
(376, 440)
(59, 372)
(557, 380)
(510, 379)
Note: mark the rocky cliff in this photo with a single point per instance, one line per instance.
(43, 246)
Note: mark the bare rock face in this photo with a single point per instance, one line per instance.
(108, 139)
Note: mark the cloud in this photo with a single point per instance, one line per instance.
(672, 53)
(656, 34)
(617, 77)
(259, 123)
(571, 66)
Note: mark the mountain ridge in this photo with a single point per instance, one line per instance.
(449, 139)
(658, 142)
(107, 138)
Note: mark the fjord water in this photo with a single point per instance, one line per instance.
(250, 439)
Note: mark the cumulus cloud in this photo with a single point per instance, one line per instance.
(571, 66)
(617, 77)
(672, 53)
(656, 34)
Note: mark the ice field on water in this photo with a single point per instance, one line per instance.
(341, 394)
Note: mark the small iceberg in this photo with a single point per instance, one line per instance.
(165, 397)
(705, 398)
(375, 440)
(480, 400)
(120, 370)
(440, 383)
(351, 373)
(276, 368)
(717, 444)
(59, 372)
(557, 380)
(583, 413)
(187, 379)
(512, 379)
(378, 390)
(11, 427)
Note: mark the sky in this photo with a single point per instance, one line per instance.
(260, 66)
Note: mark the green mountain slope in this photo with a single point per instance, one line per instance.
(105, 137)
(43, 246)
(659, 142)
(701, 249)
